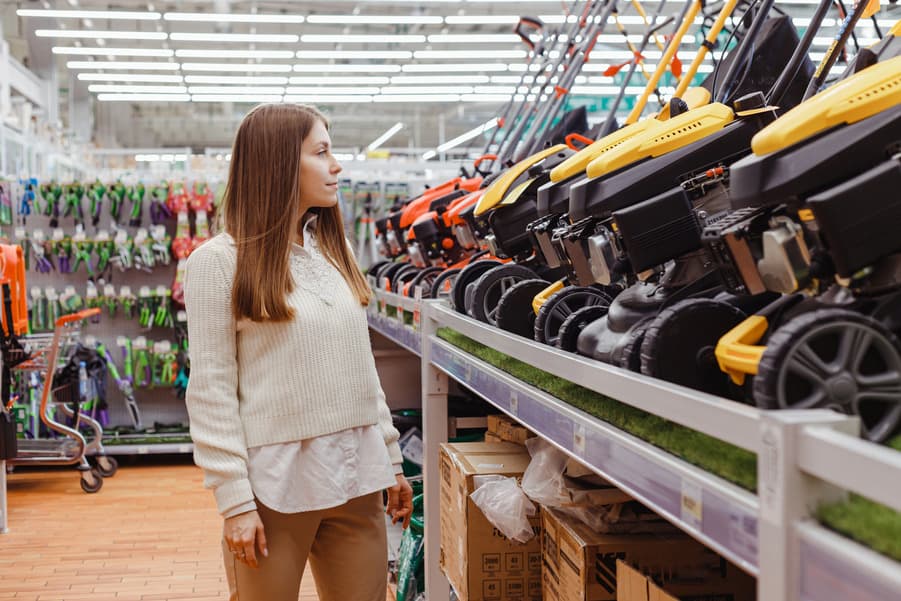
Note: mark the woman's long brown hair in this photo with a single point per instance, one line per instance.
(260, 212)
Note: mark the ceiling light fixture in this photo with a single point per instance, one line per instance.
(331, 91)
(328, 99)
(440, 79)
(473, 38)
(100, 35)
(429, 90)
(130, 77)
(453, 67)
(238, 98)
(354, 54)
(282, 38)
(374, 19)
(218, 90)
(84, 51)
(458, 54)
(143, 97)
(376, 80)
(132, 89)
(233, 18)
(487, 126)
(188, 53)
(125, 65)
(325, 68)
(362, 39)
(236, 79)
(385, 136)
(417, 98)
(90, 14)
(245, 67)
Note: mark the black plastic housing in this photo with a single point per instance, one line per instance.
(859, 219)
(659, 229)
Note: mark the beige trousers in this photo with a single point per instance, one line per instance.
(346, 545)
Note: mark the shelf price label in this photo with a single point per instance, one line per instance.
(383, 304)
(514, 403)
(579, 440)
(692, 506)
(417, 307)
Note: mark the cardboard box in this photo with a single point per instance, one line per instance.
(581, 565)
(507, 429)
(632, 585)
(480, 562)
(492, 437)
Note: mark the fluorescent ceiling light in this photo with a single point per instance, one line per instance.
(84, 51)
(250, 98)
(385, 136)
(130, 77)
(233, 18)
(284, 38)
(245, 67)
(437, 79)
(473, 38)
(458, 54)
(428, 155)
(325, 68)
(327, 99)
(90, 14)
(143, 97)
(236, 90)
(101, 35)
(487, 126)
(331, 91)
(147, 66)
(352, 54)
(454, 67)
(374, 19)
(417, 98)
(160, 158)
(362, 39)
(347, 81)
(504, 90)
(188, 53)
(132, 89)
(485, 97)
(429, 90)
(242, 79)
(481, 20)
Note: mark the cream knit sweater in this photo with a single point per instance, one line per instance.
(254, 384)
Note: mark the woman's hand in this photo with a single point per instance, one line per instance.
(400, 501)
(241, 532)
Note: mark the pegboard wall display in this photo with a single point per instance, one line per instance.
(119, 246)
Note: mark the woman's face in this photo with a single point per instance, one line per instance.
(318, 170)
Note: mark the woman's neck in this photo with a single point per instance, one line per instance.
(301, 225)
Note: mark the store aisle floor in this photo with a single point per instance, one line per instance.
(152, 533)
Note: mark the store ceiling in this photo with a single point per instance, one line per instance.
(440, 68)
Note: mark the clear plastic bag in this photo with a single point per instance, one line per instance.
(506, 506)
(603, 509)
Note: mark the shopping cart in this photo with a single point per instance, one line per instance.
(63, 444)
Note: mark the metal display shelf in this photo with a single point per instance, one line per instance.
(716, 512)
(804, 459)
(385, 316)
(158, 448)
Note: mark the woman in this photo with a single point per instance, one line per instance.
(289, 421)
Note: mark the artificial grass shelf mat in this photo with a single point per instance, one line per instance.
(873, 524)
(721, 458)
(392, 312)
(870, 523)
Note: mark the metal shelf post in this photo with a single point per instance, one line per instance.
(434, 432)
(787, 496)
